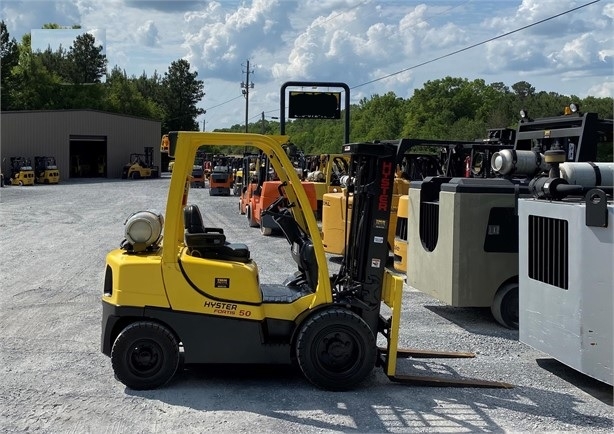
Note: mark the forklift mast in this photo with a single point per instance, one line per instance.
(362, 272)
(149, 156)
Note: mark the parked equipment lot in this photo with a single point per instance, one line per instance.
(53, 242)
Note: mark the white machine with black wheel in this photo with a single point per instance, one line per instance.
(465, 265)
(463, 232)
(566, 283)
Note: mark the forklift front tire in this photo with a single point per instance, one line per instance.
(145, 355)
(505, 305)
(335, 349)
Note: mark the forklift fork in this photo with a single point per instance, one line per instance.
(392, 296)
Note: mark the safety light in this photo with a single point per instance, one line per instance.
(524, 114)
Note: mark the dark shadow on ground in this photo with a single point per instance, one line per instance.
(476, 320)
(376, 406)
(597, 389)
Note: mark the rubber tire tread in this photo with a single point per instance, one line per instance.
(313, 326)
(136, 331)
(498, 309)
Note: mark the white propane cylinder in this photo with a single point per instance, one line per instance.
(527, 162)
(585, 174)
(144, 227)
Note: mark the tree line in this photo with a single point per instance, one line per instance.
(450, 108)
(73, 79)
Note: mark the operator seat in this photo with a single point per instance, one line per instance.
(210, 243)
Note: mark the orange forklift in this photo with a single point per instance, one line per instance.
(220, 179)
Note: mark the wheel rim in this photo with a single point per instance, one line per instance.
(337, 350)
(145, 358)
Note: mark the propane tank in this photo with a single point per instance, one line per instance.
(510, 161)
(588, 174)
(143, 229)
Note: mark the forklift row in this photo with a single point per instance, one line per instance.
(455, 200)
(460, 221)
(20, 171)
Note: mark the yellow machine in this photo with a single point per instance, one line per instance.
(178, 290)
(326, 173)
(141, 166)
(400, 235)
(337, 209)
(21, 171)
(46, 170)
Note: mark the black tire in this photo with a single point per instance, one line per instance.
(135, 175)
(145, 355)
(335, 349)
(505, 305)
(250, 218)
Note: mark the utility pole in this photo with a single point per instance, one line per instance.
(246, 86)
(262, 123)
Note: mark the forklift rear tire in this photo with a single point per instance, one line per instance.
(505, 305)
(335, 349)
(145, 355)
(135, 175)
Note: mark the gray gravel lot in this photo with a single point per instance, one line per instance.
(55, 379)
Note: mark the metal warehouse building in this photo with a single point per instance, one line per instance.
(85, 143)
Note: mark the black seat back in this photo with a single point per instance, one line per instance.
(193, 220)
(209, 242)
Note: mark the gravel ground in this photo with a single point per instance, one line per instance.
(54, 378)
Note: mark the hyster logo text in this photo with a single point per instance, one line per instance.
(385, 186)
(222, 308)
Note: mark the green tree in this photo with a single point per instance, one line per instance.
(123, 96)
(603, 106)
(55, 26)
(88, 63)
(9, 58)
(450, 108)
(56, 62)
(377, 118)
(34, 87)
(182, 91)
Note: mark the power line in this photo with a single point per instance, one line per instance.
(475, 45)
(225, 102)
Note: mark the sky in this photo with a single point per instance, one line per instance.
(374, 46)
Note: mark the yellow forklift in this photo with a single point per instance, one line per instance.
(177, 290)
(21, 171)
(141, 166)
(46, 170)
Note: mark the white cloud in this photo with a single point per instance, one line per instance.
(218, 39)
(576, 53)
(352, 41)
(601, 90)
(147, 34)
